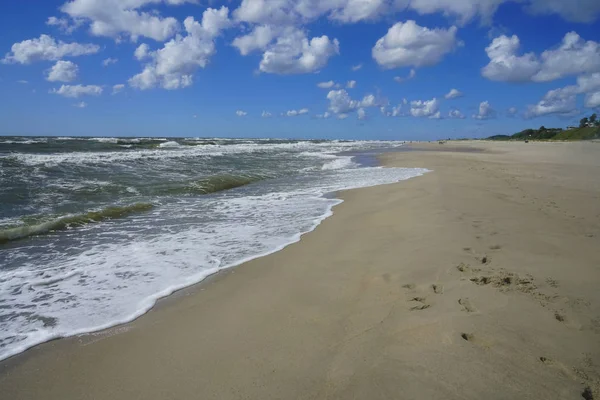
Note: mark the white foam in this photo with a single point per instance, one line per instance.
(339, 163)
(169, 144)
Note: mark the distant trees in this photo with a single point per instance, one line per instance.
(591, 121)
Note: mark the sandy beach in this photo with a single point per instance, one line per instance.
(478, 280)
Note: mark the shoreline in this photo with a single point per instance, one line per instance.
(387, 310)
(174, 291)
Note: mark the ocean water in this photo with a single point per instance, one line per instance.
(94, 230)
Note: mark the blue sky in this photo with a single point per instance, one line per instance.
(252, 68)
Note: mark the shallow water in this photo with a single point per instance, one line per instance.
(97, 229)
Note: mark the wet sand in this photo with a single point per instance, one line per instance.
(479, 280)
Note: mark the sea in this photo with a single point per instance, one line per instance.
(93, 231)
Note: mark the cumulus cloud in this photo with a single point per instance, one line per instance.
(297, 12)
(362, 114)
(342, 116)
(266, 114)
(350, 84)
(410, 76)
(512, 111)
(81, 104)
(295, 113)
(563, 101)
(325, 115)
(63, 71)
(118, 88)
(425, 108)
(173, 66)
(341, 103)
(142, 52)
(408, 44)
(258, 39)
(241, 113)
(505, 65)
(453, 94)
(113, 18)
(293, 53)
(46, 48)
(456, 114)
(65, 25)
(75, 91)
(574, 56)
(326, 85)
(288, 12)
(108, 61)
(485, 111)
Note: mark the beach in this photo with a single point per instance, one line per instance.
(476, 280)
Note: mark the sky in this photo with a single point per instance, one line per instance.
(346, 69)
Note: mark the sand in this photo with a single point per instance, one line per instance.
(479, 280)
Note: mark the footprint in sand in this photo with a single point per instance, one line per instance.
(467, 305)
(437, 289)
(420, 304)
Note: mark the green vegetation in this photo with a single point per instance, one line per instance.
(589, 128)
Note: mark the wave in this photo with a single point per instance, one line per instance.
(70, 221)
(213, 184)
(339, 163)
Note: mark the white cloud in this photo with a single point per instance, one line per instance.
(456, 114)
(342, 116)
(142, 52)
(118, 88)
(295, 113)
(173, 66)
(341, 103)
(293, 53)
(64, 25)
(258, 39)
(241, 113)
(301, 12)
(356, 67)
(574, 11)
(46, 48)
(563, 101)
(512, 111)
(592, 100)
(574, 56)
(485, 111)
(296, 12)
(63, 71)
(561, 106)
(464, 10)
(505, 65)
(81, 104)
(408, 44)
(453, 94)
(113, 18)
(350, 84)
(362, 114)
(23, 82)
(395, 112)
(410, 76)
(326, 85)
(109, 61)
(425, 108)
(325, 115)
(75, 91)
(266, 114)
